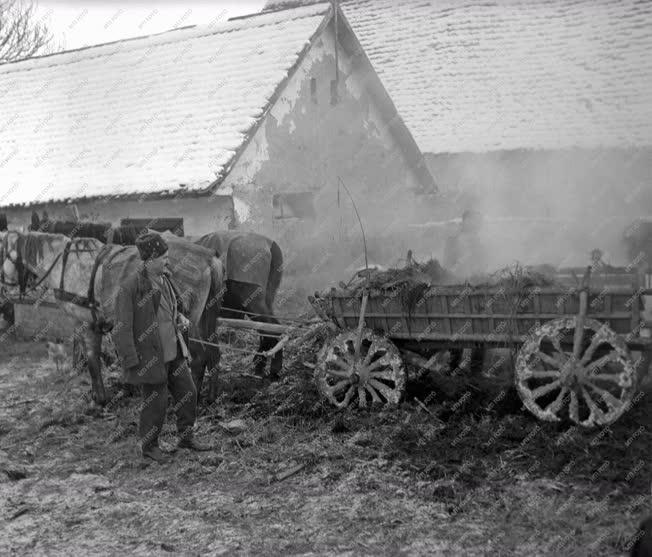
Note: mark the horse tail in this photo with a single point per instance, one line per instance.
(275, 275)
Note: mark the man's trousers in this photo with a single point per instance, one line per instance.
(155, 402)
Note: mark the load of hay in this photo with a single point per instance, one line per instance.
(410, 282)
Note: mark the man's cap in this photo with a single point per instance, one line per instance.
(150, 245)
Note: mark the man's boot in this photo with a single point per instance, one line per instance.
(154, 452)
(187, 441)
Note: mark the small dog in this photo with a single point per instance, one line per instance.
(57, 353)
(643, 545)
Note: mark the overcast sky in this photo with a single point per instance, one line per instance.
(75, 24)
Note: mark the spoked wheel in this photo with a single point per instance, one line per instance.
(591, 378)
(373, 376)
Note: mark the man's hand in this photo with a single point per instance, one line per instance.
(183, 322)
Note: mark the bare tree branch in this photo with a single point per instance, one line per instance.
(22, 35)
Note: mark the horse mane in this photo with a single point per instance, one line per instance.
(126, 235)
(103, 231)
(30, 245)
(76, 229)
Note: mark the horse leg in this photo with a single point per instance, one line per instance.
(267, 342)
(93, 344)
(277, 359)
(260, 361)
(79, 362)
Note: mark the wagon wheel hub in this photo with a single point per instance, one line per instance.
(592, 383)
(372, 375)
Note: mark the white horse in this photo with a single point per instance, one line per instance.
(86, 275)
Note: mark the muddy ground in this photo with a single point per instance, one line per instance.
(472, 474)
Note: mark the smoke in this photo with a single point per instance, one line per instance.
(540, 207)
(550, 206)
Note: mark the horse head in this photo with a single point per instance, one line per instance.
(10, 260)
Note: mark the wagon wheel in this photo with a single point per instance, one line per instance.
(374, 376)
(596, 386)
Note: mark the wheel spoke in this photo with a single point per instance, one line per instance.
(619, 379)
(382, 389)
(595, 414)
(346, 356)
(550, 360)
(573, 407)
(595, 342)
(348, 396)
(344, 366)
(338, 386)
(545, 389)
(597, 364)
(555, 405)
(385, 374)
(338, 373)
(556, 343)
(380, 362)
(539, 374)
(611, 377)
(610, 400)
(362, 397)
(373, 348)
(374, 395)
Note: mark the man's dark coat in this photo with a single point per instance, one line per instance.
(136, 334)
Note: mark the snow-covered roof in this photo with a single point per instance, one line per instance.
(143, 115)
(482, 75)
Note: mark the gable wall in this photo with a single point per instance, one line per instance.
(304, 144)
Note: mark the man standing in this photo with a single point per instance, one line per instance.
(465, 253)
(152, 349)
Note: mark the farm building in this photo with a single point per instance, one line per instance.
(535, 112)
(263, 122)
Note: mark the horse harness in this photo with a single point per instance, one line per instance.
(98, 324)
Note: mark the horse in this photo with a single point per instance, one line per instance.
(86, 275)
(253, 266)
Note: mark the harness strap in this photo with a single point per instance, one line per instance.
(92, 302)
(66, 253)
(34, 287)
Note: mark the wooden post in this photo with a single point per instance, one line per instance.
(581, 316)
(358, 339)
(272, 328)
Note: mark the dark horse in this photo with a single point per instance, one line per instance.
(253, 270)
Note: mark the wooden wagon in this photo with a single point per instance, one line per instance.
(581, 346)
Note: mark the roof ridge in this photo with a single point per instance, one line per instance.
(156, 39)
